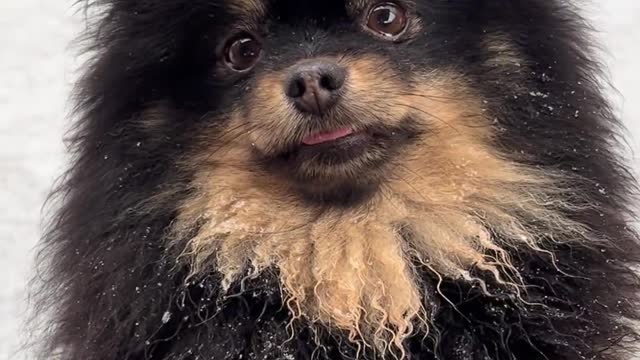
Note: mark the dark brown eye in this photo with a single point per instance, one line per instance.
(242, 52)
(387, 19)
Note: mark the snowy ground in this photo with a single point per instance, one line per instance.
(34, 37)
(35, 73)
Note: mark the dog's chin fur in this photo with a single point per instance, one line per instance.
(492, 220)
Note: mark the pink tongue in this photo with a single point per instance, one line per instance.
(327, 136)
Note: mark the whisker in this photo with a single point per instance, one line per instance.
(430, 115)
(432, 97)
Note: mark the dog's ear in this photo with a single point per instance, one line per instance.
(141, 51)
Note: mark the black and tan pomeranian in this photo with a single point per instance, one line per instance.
(341, 179)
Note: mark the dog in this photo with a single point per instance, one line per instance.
(341, 179)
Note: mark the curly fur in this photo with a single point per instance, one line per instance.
(501, 228)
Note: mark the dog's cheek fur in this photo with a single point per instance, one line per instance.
(114, 290)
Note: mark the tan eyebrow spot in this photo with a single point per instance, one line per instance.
(502, 51)
(251, 10)
(357, 4)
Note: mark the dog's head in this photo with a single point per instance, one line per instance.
(334, 97)
(354, 145)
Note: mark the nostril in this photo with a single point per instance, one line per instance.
(328, 82)
(296, 87)
(333, 79)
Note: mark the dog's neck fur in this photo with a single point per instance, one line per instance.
(356, 269)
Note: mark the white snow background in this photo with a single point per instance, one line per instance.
(36, 63)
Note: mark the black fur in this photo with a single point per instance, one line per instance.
(114, 289)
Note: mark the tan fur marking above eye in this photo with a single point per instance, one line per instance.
(250, 10)
(460, 202)
(502, 52)
(355, 7)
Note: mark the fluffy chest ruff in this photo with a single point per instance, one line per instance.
(358, 269)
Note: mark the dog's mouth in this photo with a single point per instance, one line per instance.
(330, 148)
(339, 146)
(329, 136)
(341, 157)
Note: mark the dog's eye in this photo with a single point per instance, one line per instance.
(387, 19)
(242, 52)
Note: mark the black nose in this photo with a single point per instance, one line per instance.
(314, 86)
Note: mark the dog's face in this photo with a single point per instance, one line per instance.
(328, 102)
(332, 97)
(354, 145)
